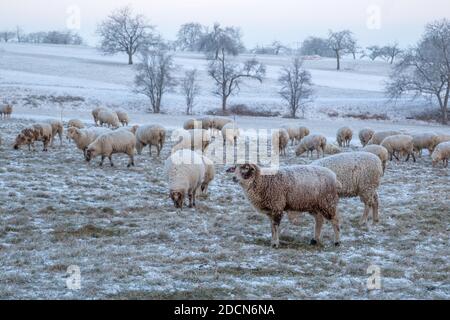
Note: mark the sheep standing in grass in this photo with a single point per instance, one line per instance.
(186, 173)
(311, 143)
(441, 153)
(76, 124)
(380, 152)
(230, 133)
(108, 117)
(296, 134)
(6, 111)
(402, 144)
(120, 141)
(378, 137)
(57, 129)
(37, 132)
(365, 135)
(281, 138)
(84, 137)
(359, 174)
(424, 141)
(95, 113)
(150, 135)
(291, 189)
(344, 136)
(123, 117)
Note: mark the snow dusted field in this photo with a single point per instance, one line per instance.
(119, 225)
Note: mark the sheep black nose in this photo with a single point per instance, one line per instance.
(235, 180)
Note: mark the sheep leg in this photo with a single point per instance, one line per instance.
(336, 229)
(60, 139)
(101, 162)
(131, 162)
(367, 207)
(317, 229)
(110, 160)
(276, 220)
(191, 202)
(375, 205)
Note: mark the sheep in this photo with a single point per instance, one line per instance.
(57, 128)
(186, 173)
(442, 138)
(150, 135)
(230, 133)
(359, 174)
(344, 137)
(6, 111)
(205, 137)
(210, 173)
(378, 137)
(401, 143)
(294, 189)
(280, 137)
(207, 123)
(424, 141)
(95, 113)
(331, 149)
(296, 134)
(76, 124)
(120, 141)
(218, 122)
(37, 132)
(380, 152)
(123, 117)
(365, 135)
(108, 117)
(189, 139)
(441, 153)
(84, 137)
(311, 143)
(192, 124)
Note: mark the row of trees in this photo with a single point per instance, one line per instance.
(50, 37)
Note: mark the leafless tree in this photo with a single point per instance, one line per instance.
(341, 43)
(296, 86)
(189, 35)
(19, 34)
(122, 31)
(221, 39)
(390, 52)
(190, 89)
(154, 76)
(424, 70)
(277, 46)
(374, 52)
(228, 74)
(316, 46)
(7, 35)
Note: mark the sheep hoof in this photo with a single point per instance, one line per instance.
(313, 242)
(337, 244)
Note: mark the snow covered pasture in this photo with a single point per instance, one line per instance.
(119, 227)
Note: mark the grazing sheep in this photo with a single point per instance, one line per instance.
(190, 140)
(108, 117)
(210, 173)
(280, 137)
(378, 137)
(150, 135)
(123, 117)
(441, 153)
(207, 123)
(6, 111)
(57, 128)
(84, 137)
(365, 135)
(76, 124)
(442, 138)
(192, 124)
(344, 136)
(230, 133)
(380, 152)
(401, 143)
(292, 189)
(120, 141)
(37, 132)
(186, 173)
(311, 143)
(424, 141)
(331, 149)
(218, 122)
(296, 134)
(95, 113)
(359, 174)
(204, 135)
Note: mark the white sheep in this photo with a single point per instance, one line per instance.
(150, 135)
(294, 189)
(57, 129)
(331, 149)
(120, 141)
(296, 134)
(230, 133)
(441, 153)
(311, 143)
(84, 137)
(378, 137)
(442, 138)
(380, 152)
(424, 141)
(359, 174)
(108, 117)
(76, 123)
(36, 132)
(210, 173)
(6, 111)
(123, 117)
(186, 172)
(280, 137)
(401, 143)
(95, 113)
(344, 137)
(365, 135)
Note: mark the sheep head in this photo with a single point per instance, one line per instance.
(245, 173)
(25, 137)
(177, 198)
(91, 153)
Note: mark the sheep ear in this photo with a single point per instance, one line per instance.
(231, 170)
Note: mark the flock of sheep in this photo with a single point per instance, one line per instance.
(314, 188)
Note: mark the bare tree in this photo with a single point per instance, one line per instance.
(341, 43)
(190, 89)
(374, 52)
(296, 86)
(154, 76)
(316, 46)
(390, 52)
(277, 46)
(228, 75)
(122, 31)
(425, 68)
(189, 35)
(7, 35)
(221, 39)
(19, 34)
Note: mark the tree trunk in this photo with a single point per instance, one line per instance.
(445, 116)
(130, 58)
(338, 59)
(224, 103)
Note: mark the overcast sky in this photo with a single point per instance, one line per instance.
(262, 21)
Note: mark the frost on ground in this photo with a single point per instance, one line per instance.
(119, 226)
